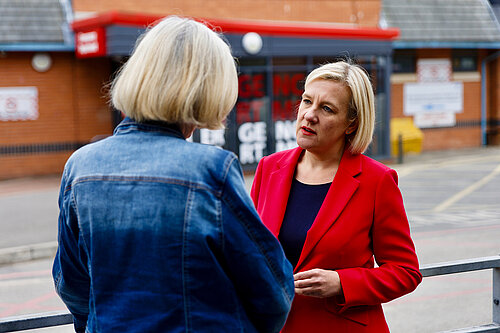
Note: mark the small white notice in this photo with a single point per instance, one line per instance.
(18, 103)
(434, 70)
(434, 119)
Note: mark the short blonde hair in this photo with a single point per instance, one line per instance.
(362, 103)
(180, 72)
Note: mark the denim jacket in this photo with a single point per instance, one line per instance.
(157, 234)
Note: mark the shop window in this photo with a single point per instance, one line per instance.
(288, 87)
(251, 61)
(404, 61)
(251, 117)
(289, 61)
(464, 61)
(318, 61)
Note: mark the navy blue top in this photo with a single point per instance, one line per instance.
(303, 205)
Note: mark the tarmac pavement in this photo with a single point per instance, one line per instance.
(28, 206)
(452, 199)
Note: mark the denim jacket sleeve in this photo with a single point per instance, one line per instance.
(262, 275)
(70, 273)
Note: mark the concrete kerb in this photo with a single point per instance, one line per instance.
(27, 252)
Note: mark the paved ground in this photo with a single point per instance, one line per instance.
(452, 200)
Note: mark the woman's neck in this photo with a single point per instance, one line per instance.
(317, 168)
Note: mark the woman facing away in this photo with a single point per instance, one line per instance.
(157, 234)
(336, 211)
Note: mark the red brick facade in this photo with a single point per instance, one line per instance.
(73, 105)
(72, 110)
(467, 132)
(359, 12)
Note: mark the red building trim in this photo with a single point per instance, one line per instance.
(270, 28)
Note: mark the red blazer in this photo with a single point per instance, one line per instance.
(362, 218)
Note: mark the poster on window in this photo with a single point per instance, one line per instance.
(251, 114)
(213, 137)
(287, 92)
(18, 103)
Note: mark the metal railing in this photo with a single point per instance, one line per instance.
(468, 265)
(34, 321)
(43, 320)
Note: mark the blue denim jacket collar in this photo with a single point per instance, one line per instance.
(170, 129)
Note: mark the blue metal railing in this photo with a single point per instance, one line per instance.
(43, 320)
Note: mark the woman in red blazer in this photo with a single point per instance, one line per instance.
(337, 211)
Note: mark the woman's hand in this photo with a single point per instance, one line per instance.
(318, 283)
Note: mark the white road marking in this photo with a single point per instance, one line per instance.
(465, 192)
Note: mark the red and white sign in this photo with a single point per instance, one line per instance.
(434, 70)
(18, 103)
(434, 119)
(434, 99)
(91, 43)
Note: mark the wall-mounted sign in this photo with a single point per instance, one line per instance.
(434, 70)
(434, 119)
(18, 103)
(434, 108)
(91, 43)
(433, 97)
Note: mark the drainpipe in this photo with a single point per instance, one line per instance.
(483, 95)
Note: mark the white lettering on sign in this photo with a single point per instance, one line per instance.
(87, 43)
(89, 48)
(18, 103)
(212, 137)
(87, 37)
(253, 139)
(285, 134)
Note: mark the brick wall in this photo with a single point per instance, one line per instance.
(362, 12)
(71, 112)
(451, 138)
(467, 132)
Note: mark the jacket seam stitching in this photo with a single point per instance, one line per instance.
(89, 269)
(145, 180)
(185, 253)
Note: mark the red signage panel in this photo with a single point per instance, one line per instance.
(91, 43)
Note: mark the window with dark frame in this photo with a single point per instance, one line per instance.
(464, 60)
(404, 61)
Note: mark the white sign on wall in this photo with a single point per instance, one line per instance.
(18, 103)
(434, 70)
(433, 97)
(434, 119)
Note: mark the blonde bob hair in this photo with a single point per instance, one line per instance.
(180, 72)
(362, 104)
